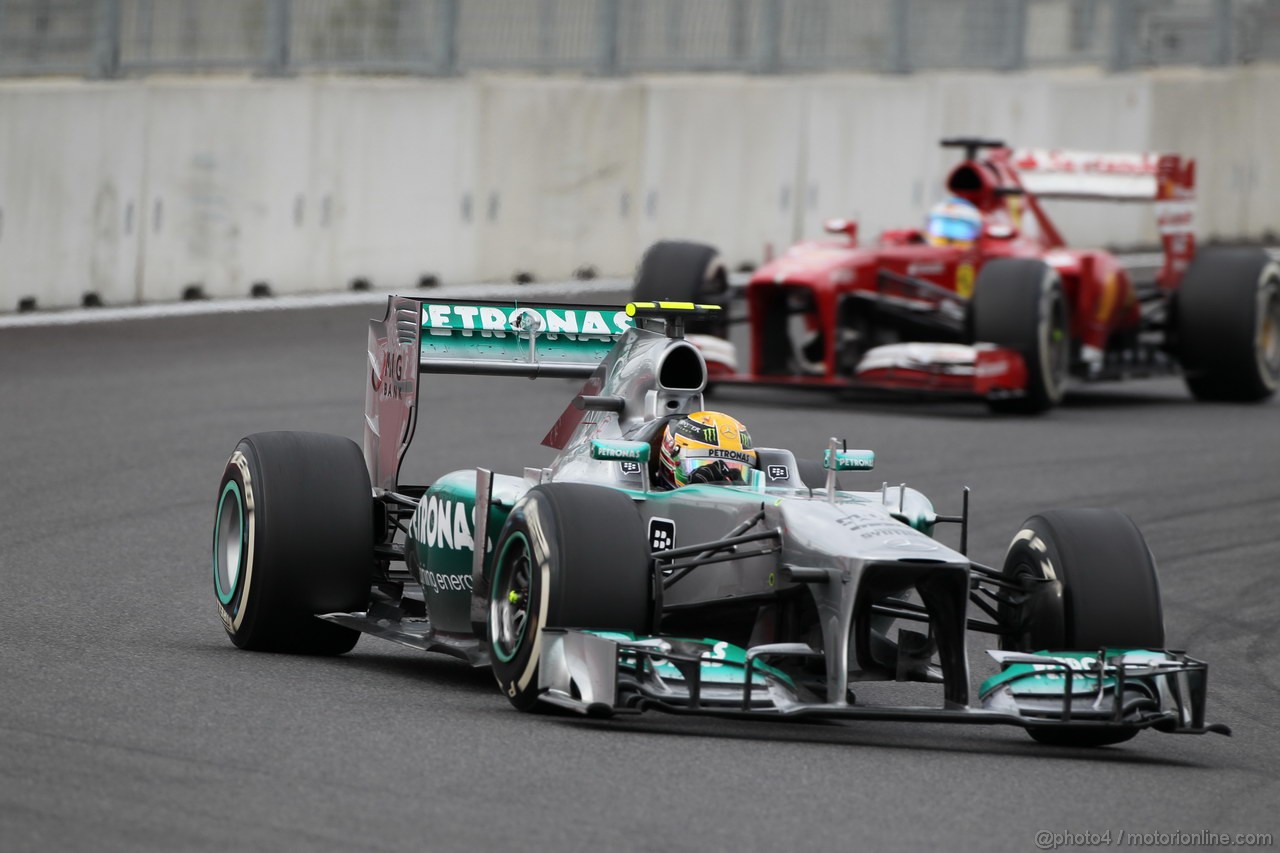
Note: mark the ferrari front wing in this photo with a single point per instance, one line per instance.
(962, 370)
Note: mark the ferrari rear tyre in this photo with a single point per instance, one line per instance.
(1228, 325)
(570, 555)
(1018, 304)
(678, 271)
(1110, 596)
(292, 538)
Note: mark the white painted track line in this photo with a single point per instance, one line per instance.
(503, 290)
(531, 292)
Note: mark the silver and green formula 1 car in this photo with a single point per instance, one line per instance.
(585, 585)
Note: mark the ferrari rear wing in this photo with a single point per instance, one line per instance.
(1146, 176)
(1167, 180)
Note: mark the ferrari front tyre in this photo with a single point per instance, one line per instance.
(570, 555)
(1228, 324)
(679, 271)
(1109, 596)
(1018, 304)
(292, 538)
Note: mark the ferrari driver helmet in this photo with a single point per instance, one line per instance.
(705, 447)
(954, 222)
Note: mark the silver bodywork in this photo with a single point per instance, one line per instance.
(854, 563)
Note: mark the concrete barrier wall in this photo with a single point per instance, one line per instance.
(555, 175)
(71, 175)
(136, 190)
(393, 168)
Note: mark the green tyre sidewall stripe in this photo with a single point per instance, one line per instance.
(227, 596)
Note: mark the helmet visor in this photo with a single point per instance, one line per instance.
(953, 227)
(725, 466)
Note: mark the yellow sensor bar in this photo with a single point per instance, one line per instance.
(634, 307)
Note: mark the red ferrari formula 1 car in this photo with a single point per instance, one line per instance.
(988, 301)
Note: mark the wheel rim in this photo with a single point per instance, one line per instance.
(1269, 333)
(228, 543)
(509, 599)
(1055, 346)
(1010, 613)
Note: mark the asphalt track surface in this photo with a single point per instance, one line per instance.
(129, 722)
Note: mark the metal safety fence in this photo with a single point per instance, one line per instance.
(117, 38)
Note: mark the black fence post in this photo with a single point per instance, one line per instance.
(771, 37)
(1223, 34)
(446, 41)
(279, 35)
(1016, 49)
(1123, 32)
(899, 38)
(609, 38)
(106, 40)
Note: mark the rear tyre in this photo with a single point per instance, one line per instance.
(1110, 595)
(1229, 325)
(570, 555)
(292, 538)
(1018, 304)
(679, 271)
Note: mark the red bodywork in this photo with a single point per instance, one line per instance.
(899, 268)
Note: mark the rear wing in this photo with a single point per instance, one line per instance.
(1167, 180)
(475, 337)
(1055, 173)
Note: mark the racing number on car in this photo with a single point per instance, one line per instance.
(964, 281)
(662, 534)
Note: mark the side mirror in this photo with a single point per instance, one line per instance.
(848, 227)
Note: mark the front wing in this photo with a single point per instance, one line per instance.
(959, 370)
(601, 675)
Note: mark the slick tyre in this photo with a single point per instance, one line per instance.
(678, 271)
(292, 538)
(1018, 304)
(1110, 595)
(570, 555)
(1228, 323)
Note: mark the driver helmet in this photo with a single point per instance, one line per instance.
(705, 447)
(954, 222)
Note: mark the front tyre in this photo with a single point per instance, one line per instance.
(1228, 325)
(1018, 304)
(1110, 596)
(570, 555)
(292, 538)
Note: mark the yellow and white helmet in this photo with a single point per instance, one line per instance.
(706, 447)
